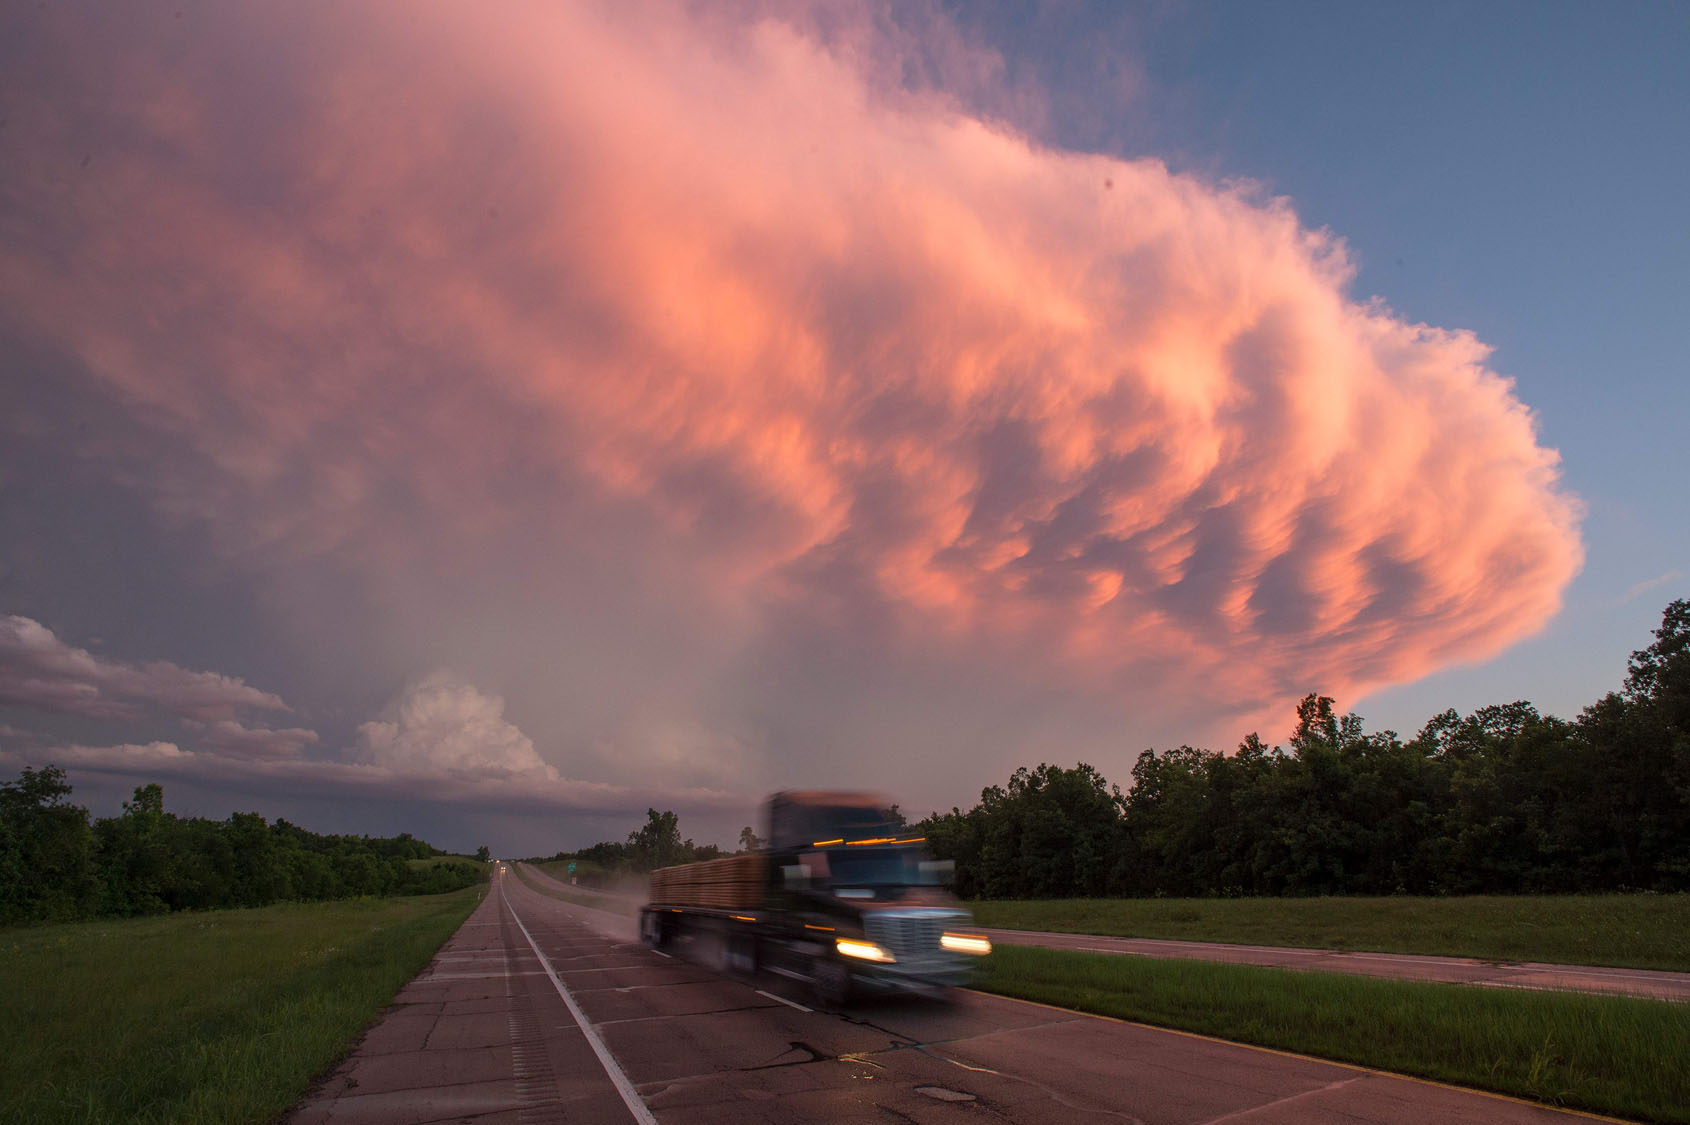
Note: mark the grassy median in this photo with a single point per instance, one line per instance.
(224, 1015)
(1606, 1054)
(1638, 931)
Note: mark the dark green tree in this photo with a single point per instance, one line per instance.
(46, 849)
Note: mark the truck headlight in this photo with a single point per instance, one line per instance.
(966, 943)
(863, 950)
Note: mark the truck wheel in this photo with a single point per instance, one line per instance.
(742, 955)
(652, 930)
(831, 981)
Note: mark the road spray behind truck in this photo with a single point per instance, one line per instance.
(843, 898)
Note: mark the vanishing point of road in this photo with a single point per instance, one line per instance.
(539, 1010)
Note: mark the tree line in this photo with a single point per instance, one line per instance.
(656, 843)
(1504, 800)
(58, 865)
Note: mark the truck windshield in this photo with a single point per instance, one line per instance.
(863, 867)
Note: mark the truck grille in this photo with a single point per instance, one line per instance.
(906, 936)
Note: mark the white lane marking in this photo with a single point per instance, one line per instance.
(784, 1000)
(660, 953)
(1520, 987)
(630, 1096)
(1403, 959)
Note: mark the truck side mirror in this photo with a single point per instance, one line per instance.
(795, 876)
(939, 871)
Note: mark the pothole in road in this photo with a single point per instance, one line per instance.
(939, 1093)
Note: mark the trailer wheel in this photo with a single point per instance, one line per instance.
(831, 981)
(653, 930)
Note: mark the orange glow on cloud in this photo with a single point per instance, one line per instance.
(850, 348)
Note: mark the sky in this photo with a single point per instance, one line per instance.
(489, 426)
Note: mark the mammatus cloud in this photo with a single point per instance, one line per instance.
(38, 670)
(451, 300)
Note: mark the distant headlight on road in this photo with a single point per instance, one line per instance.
(863, 950)
(966, 943)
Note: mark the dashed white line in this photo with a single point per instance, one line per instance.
(784, 1000)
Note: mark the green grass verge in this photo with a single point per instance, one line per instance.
(1606, 1054)
(608, 903)
(223, 1015)
(1640, 931)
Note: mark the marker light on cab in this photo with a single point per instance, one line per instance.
(863, 950)
(966, 943)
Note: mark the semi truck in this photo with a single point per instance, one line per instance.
(842, 897)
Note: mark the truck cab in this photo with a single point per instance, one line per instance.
(846, 899)
(855, 903)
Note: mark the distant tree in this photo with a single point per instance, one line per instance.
(749, 841)
(658, 842)
(483, 854)
(46, 849)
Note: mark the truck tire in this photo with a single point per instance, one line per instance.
(653, 930)
(831, 982)
(742, 955)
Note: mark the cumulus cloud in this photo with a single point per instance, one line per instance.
(441, 725)
(39, 670)
(615, 293)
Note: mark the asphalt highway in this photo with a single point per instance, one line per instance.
(540, 1010)
(1533, 975)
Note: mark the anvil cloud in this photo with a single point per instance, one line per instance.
(703, 316)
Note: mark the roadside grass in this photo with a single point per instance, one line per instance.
(1634, 931)
(1611, 1055)
(222, 1015)
(610, 903)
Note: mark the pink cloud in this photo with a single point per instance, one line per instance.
(39, 670)
(433, 294)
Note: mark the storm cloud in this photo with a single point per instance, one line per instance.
(717, 402)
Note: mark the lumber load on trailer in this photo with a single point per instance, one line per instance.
(734, 883)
